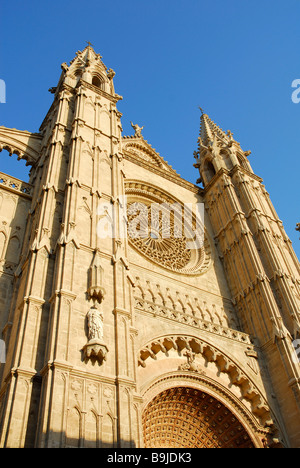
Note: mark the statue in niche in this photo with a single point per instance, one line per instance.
(95, 324)
(95, 349)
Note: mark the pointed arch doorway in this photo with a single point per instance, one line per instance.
(184, 417)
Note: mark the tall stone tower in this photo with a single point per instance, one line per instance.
(261, 267)
(115, 339)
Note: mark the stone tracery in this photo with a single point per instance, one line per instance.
(168, 250)
(163, 234)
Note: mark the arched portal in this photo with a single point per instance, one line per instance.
(184, 417)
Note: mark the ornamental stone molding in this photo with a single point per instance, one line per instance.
(25, 145)
(188, 311)
(141, 153)
(190, 418)
(15, 185)
(225, 364)
(180, 404)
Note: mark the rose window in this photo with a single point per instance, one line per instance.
(159, 229)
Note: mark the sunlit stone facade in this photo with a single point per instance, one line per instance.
(117, 340)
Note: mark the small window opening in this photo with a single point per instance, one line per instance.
(96, 82)
(209, 171)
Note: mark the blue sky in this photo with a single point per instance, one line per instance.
(236, 58)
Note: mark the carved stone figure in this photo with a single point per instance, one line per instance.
(95, 324)
(137, 129)
(95, 349)
(191, 363)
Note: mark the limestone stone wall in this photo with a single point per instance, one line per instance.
(99, 324)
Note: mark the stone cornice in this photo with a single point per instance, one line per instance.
(113, 98)
(171, 176)
(149, 308)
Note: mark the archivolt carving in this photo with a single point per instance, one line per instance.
(224, 363)
(146, 154)
(137, 147)
(188, 417)
(187, 383)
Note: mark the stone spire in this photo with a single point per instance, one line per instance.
(217, 150)
(209, 130)
(87, 66)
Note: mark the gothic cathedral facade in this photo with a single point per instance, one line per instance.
(115, 339)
